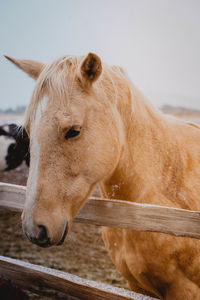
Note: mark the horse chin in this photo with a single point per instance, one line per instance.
(45, 245)
(60, 242)
(48, 243)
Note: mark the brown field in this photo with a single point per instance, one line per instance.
(83, 252)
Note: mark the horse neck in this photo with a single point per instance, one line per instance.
(142, 123)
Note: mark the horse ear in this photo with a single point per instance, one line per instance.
(91, 68)
(31, 67)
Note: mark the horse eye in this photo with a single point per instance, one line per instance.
(73, 132)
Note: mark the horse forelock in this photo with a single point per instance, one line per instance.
(56, 78)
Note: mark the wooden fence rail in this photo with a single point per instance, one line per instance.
(98, 211)
(121, 214)
(58, 284)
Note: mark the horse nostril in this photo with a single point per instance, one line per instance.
(42, 235)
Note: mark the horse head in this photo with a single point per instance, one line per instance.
(76, 138)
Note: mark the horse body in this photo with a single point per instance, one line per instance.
(99, 129)
(160, 165)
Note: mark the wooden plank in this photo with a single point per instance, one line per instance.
(121, 214)
(58, 284)
(12, 196)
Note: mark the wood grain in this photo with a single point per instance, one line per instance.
(121, 214)
(59, 285)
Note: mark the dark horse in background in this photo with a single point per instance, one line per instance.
(14, 146)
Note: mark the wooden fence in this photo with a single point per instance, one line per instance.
(98, 211)
(121, 214)
(57, 284)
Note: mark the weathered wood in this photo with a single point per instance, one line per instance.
(61, 285)
(121, 214)
(12, 196)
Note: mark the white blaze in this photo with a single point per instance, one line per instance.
(34, 166)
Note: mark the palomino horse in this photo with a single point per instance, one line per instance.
(88, 124)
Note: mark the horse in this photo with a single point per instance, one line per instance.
(14, 146)
(88, 124)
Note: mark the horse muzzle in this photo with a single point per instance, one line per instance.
(39, 235)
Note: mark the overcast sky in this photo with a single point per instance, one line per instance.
(156, 41)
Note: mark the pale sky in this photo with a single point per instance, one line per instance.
(156, 41)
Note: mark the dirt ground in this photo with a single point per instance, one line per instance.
(83, 252)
